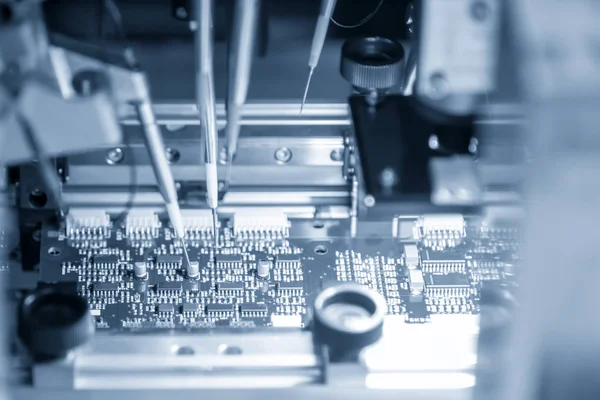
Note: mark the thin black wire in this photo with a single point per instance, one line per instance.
(109, 7)
(362, 21)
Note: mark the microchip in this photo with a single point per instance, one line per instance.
(169, 259)
(455, 256)
(105, 286)
(166, 308)
(287, 259)
(452, 280)
(106, 259)
(226, 259)
(230, 286)
(248, 308)
(417, 310)
(219, 308)
(190, 307)
(168, 286)
(290, 285)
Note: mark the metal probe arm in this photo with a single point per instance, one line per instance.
(205, 99)
(243, 37)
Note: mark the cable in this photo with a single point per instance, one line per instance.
(362, 21)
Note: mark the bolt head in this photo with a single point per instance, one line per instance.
(114, 156)
(283, 155)
(172, 155)
(434, 143)
(369, 201)
(337, 155)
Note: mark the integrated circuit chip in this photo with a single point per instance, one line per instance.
(220, 308)
(168, 286)
(290, 286)
(105, 286)
(253, 308)
(454, 255)
(166, 308)
(447, 280)
(229, 259)
(169, 259)
(287, 259)
(417, 310)
(230, 286)
(190, 307)
(105, 258)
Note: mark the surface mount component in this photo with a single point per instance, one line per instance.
(140, 269)
(193, 269)
(85, 222)
(411, 255)
(169, 260)
(442, 231)
(263, 268)
(261, 220)
(141, 222)
(197, 223)
(286, 321)
(416, 280)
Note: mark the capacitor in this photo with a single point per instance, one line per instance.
(193, 269)
(140, 270)
(263, 268)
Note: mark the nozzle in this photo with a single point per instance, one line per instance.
(310, 74)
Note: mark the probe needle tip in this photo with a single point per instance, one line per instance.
(310, 73)
(185, 252)
(215, 225)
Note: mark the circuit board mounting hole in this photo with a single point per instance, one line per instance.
(318, 224)
(321, 250)
(54, 251)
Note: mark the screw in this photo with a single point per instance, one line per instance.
(480, 10)
(221, 186)
(434, 143)
(37, 235)
(181, 13)
(369, 201)
(173, 155)
(337, 154)
(114, 156)
(473, 144)
(223, 155)
(283, 155)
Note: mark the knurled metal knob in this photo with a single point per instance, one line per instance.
(372, 63)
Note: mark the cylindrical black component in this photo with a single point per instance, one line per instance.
(347, 318)
(372, 63)
(51, 323)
